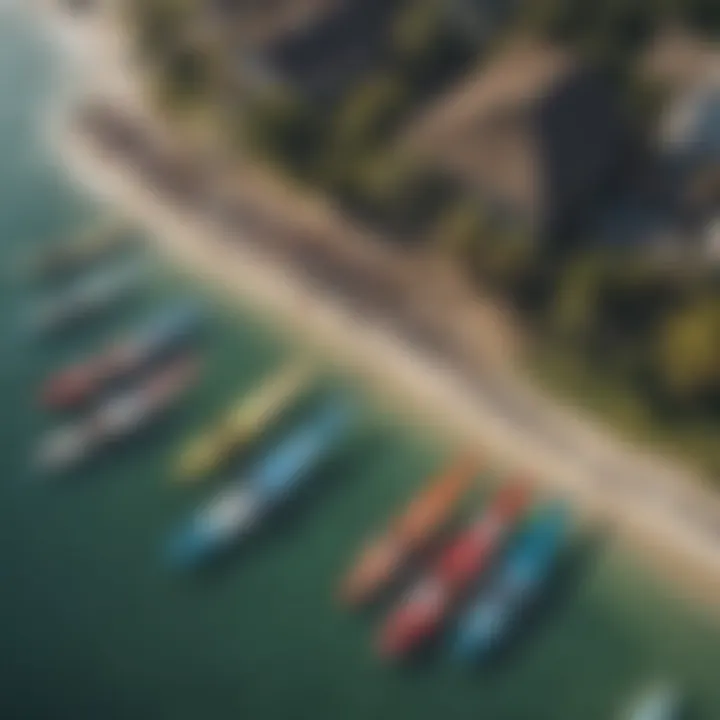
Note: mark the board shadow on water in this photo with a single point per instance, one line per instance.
(573, 568)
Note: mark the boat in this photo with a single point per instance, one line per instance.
(117, 418)
(85, 299)
(520, 578)
(424, 609)
(98, 242)
(240, 507)
(413, 531)
(245, 422)
(166, 331)
(662, 701)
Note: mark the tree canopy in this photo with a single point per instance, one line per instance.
(689, 351)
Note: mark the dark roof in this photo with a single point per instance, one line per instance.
(324, 56)
(581, 138)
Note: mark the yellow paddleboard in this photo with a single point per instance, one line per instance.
(244, 423)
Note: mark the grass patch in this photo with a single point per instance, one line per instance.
(617, 404)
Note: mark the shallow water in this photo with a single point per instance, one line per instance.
(93, 626)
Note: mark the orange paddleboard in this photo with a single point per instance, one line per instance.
(427, 513)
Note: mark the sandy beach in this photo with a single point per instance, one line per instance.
(655, 506)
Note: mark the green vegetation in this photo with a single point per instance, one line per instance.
(159, 25)
(688, 351)
(285, 130)
(576, 304)
(347, 145)
(615, 29)
(618, 402)
(640, 342)
(369, 112)
(460, 228)
(424, 49)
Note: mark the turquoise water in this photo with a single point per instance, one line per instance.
(93, 627)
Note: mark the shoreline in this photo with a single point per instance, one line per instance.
(402, 375)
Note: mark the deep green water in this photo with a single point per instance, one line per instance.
(93, 627)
